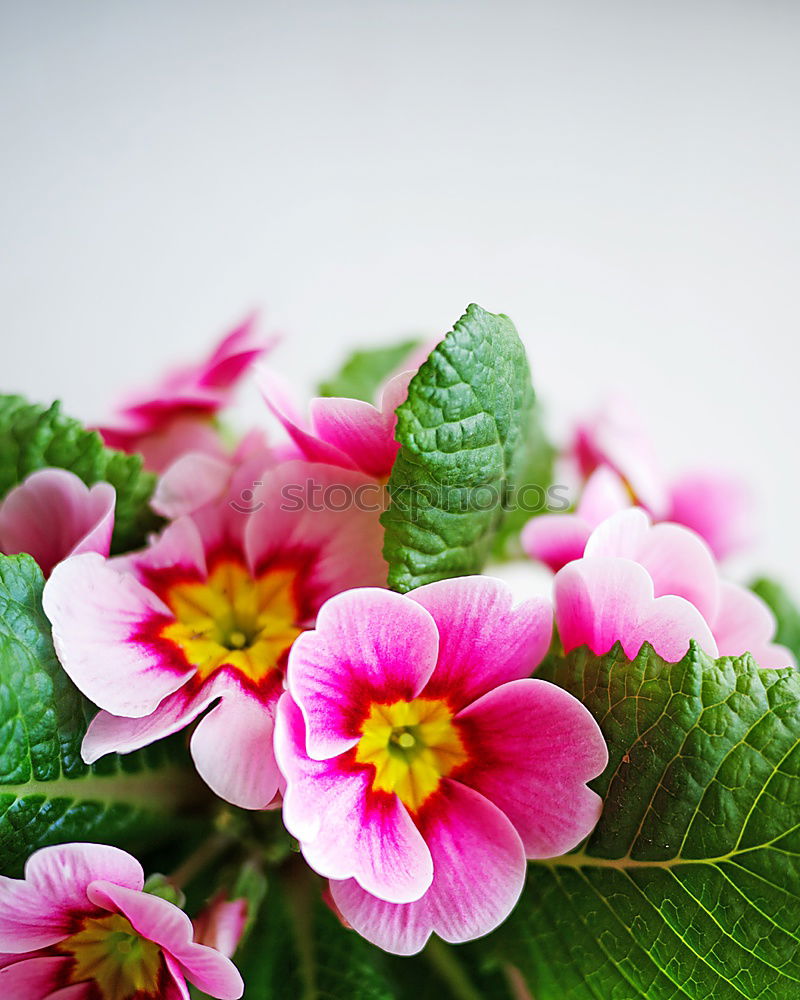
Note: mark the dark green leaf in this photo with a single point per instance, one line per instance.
(34, 437)
(298, 950)
(362, 374)
(47, 794)
(462, 435)
(690, 885)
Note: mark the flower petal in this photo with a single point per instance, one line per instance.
(324, 516)
(109, 733)
(34, 978)
(745, 624)
(190, 482)
(484, 640)
(479, 872)
(232, 750)
(602, 601)
(160, 921)
(719, 507)
(97, 614)
(346, 830)
(538, 748)
(53, 514)
(368, 644)
(555, 539)
(679, 561)
(179, 548)
(39, 910)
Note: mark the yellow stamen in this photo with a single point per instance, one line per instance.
(233, 619)
(412, 746)
(108, 952)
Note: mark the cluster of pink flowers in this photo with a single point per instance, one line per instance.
(415, 759)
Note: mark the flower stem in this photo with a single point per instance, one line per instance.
(443, 959)
(199, 859)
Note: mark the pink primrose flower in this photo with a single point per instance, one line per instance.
(79, 927)
(175, 415)
(423, 764)
(53, 515)
(205, 616)
(639, 582)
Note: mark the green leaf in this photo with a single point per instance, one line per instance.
(47, 794)
(462, 436)
(785, 610)
(690, 885)
(363, 372)
(34, 437)
(299, 949)
(533, 484)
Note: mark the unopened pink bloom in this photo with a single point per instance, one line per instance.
(638, 582)
(53, 514)
(221, 923)
(422, 763)
(79, 927)
(174, 416)
(347, 433)
(205, 617)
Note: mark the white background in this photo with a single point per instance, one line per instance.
(620, 178)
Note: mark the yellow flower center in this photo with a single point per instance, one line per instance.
(233, 619)
(412, 746)
(107, 951)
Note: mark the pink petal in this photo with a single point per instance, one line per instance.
(160, 921)
(538, 748)
(176, 988)
(40, 909)
(34, 979)
(109, 733)
(98, 615)
(484, 640)
(358, 430)
(221, 923)
(614, 437)
(745, 624)
(53, 515)
(602, 601)
(603, 495)
(179, 548)
(720, 508)
(80, 991)
(346, 830)
(232, 750)
(328, 518)
(555, 539)
(174, 436)
(368, 644)
(479, 872)
(678, 561)
(311, 447)
(190, 482)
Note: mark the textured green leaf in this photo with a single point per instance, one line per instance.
(690, 885)
(47, 794)
(785, 610)
(34, 437)
(462, 435)
(363, 372)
